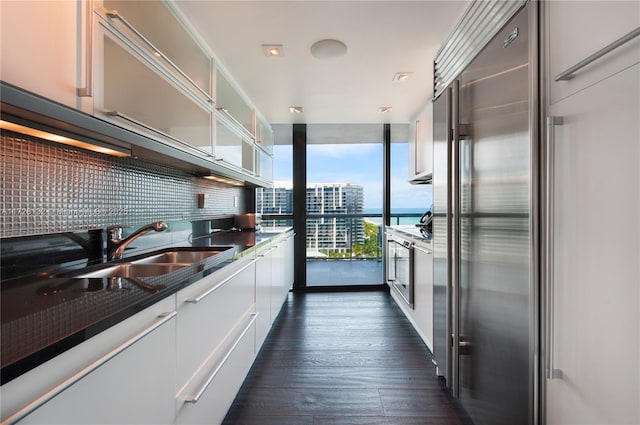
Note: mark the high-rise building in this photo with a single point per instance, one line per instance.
(333, 234)
(277, 200)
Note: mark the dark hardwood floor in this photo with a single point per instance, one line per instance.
(343, 358)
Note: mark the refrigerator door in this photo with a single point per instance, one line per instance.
(441, 223)
(494, 240)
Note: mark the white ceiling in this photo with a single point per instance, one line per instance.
(382, 38)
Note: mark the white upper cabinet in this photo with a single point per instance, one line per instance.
(41, 35)
(174, 46)
(421, 145)
(231, 103)
(151, 77)
(578, 29)
(264, 135)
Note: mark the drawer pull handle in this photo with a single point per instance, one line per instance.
(38, 402)
(194, 399)
(422, 250)
(87, 90)
(570, 73)
(213, 288)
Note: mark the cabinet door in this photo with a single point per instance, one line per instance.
(232, 146)
(230, 372)
(288, 265)
(137, 386)
(577, 29)
(39, 44)
(130, 86)
(264, 272)
(596, 250)
(421, 144)
(264, 136)
(232, 103)
(264, 165)
(158, 25)
(277, 278)
(423, 293)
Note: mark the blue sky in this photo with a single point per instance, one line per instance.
(359, 164)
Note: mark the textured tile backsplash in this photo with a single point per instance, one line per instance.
(50, 188)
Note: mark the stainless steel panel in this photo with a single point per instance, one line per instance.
(481, 21)
(494, 237)
(441, 233)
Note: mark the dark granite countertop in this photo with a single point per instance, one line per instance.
(45, 314)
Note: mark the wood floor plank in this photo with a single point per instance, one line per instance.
(384, 420)
(345, 358)
(311, 401)
(346, 377)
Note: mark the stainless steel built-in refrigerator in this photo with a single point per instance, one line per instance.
(483, 226)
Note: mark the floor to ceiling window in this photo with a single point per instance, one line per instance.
(344, 213)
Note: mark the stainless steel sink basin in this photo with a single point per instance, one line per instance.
(178, 257)
(134, 270)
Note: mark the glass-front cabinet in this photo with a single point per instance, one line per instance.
(264, 135)
(173, 45)
(153, 78)
(230, 102)
(143, 99)
(139, 84)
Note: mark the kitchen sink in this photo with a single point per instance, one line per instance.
(134, 270)
(158, 264)
(182, 256)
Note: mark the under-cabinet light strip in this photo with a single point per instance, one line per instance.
(114, 151)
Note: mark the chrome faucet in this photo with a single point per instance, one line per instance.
(116, 245)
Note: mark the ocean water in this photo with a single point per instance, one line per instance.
(414, 219)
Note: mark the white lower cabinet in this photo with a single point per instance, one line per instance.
(216, 389)
(182, 360)
(423, 293)
(264, 272)
(282, 274)
(133, 384)
(216, 342)
(274, 278)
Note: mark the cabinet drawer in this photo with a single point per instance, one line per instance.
(123, 374)
(222, 301)
(217, 388)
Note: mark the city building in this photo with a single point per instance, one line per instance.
(328, 234)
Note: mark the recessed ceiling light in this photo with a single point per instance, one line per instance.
(272, 50)
(402, 76)
(384, 109)
(295, 109)
(328, 49)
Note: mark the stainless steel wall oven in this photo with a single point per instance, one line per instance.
(400, 267)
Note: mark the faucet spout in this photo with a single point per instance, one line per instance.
(116, 245)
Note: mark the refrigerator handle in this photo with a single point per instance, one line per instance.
(552, 122)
